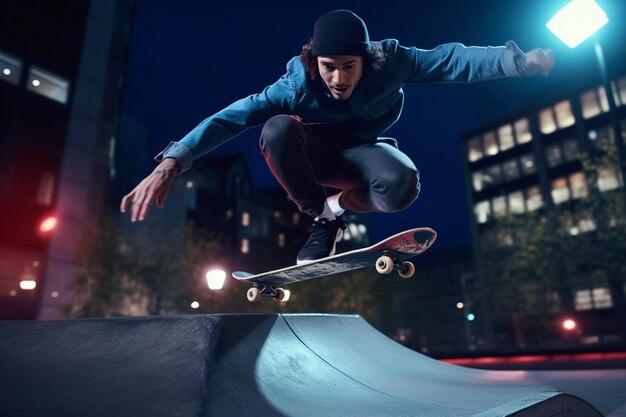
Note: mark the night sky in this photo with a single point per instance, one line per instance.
(189, 59)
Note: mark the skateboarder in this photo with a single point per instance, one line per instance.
(323, 121)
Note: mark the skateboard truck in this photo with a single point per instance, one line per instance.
(389, 261)
(259, 290)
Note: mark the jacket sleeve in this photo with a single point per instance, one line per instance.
(231, 121)
(455, 62)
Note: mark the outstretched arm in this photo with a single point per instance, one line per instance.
(154, 188)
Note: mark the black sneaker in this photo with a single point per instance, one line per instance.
(322, 243)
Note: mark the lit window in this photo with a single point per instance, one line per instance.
(48, 85)
(10, 68)
(547, 124)
(516, 202)
(607, 179)
(564, 115)
(528, 164)
(582, 300)
(474, 149)
(505, 134)
(578, 184)
(491, 146)
(590, 104)
(245, 245)
(560, 190)
(499, 206)
(586, 223)
(482, 211)
(553, 155)
(511, 170)
(534, 200)
(245, 219)
(522, 131)
(602, 298)
(477, 180)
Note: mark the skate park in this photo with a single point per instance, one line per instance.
(266, 365)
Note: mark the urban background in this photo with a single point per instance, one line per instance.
(523, 179)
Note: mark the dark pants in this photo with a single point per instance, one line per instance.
(306, 158)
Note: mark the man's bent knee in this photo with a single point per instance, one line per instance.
(277, 130)
(398, 191)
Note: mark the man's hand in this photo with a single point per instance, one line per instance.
(539, 61)
(155, 187)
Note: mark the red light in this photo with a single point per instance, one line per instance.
(569, 324)
(48, 224)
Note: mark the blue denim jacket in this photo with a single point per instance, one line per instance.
(373, 107)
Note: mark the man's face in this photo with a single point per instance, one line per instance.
(341, 73)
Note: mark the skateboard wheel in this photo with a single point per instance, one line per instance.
(410, 270)
(280, 295)
(253, 294)
(384, 265)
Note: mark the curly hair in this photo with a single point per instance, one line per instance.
(372, 62)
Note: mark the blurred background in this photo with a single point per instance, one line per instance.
(522, 178)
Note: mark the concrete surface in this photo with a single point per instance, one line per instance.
(253, 365)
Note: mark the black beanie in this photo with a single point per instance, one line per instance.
(340, 32)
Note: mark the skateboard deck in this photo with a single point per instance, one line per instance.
(386, 255)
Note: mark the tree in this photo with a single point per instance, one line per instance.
(534, 262)
(147, 271)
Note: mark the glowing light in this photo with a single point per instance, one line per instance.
(54, 294)
(36, 83)
(6, 71)
(28, 284)
(215, 279)
(287, 296)
(195, 304)
(471, 317)
(460, 305)
(569, 324)
(13, 293)
(578, 20)
(48, 224)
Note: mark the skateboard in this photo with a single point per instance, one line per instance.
(387, 255)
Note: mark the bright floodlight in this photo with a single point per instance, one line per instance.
(578, 20)
(215, 279)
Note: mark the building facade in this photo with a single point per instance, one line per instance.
(61, 72)
(533, 162)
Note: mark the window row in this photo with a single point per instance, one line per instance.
(515, 202)
(551, 119)
(499, 140)
(595, 298)
(506, 171)
(39, 81)
(562, 189)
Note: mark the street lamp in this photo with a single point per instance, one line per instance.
(573, 24)
(578, 20)
(215, 279)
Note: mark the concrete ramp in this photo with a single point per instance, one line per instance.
(248, 365)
